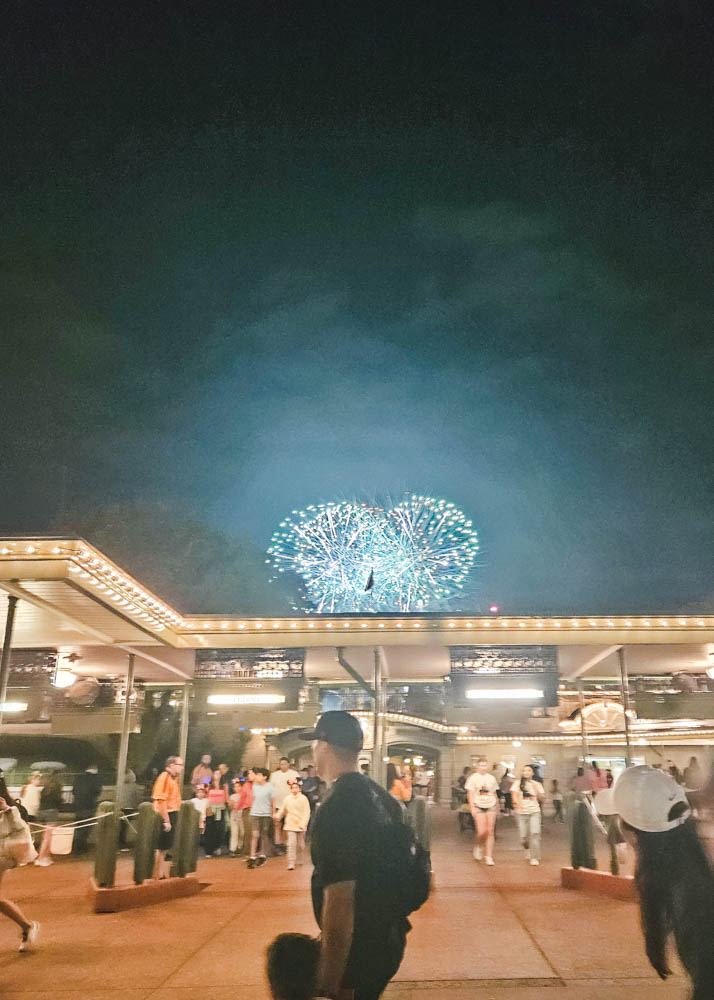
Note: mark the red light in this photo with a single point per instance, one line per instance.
(493, 609)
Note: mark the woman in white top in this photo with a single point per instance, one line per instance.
(30, 796)
(15, 849)
(482, 790)
(527, 795)
(295, 811)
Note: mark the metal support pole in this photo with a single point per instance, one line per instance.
(380, 769)
(6, 649)
(583, 732)
(348, 668)
(183, 733)
(625, 690)
(124, 741)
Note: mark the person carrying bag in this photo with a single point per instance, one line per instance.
(16, 849)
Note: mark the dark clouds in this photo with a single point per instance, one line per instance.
(251, 263)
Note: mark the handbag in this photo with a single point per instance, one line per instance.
(18, 844)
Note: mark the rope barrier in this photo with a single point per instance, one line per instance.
(79, 824)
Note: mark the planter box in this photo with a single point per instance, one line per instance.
(615, 886)
(126, 897)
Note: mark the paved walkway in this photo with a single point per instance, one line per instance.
(503, 933)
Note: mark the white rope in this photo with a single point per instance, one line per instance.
(78, 824)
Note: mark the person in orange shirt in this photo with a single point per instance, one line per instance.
(166, 798)
(396, 786)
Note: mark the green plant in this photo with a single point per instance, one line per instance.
(420, 821)
(613, 838)
(148, 828)
(185, 851)
(105, 859)
(582, 850)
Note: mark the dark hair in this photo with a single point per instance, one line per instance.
(284, 759)
(675, 883)
(262, 770)
(392, 775)
(11, 801)
(291, 965)
(54, 782)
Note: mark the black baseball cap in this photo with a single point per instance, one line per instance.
(339, 729)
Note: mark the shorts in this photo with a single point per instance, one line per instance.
(166, 837)
(263, 825)
(486, 809)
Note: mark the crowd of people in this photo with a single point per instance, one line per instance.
(488, 794)
(368, 874)
(254, 813)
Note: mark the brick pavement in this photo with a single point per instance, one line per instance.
(503, 933)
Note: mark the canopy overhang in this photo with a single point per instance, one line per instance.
(71, 595)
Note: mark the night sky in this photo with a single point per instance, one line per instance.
(260, 255)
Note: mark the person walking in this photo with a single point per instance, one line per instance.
(597, 778)
(129, 799)
(693, 775)
(482, 791)
(505, 785)
(527, 795)
(311, 786)
(295, 813)
(581, 781)
(215, 816)
(16, 849)
(395, 785)
(30, 796)
(50, 805)
(673, 874)
(557, 799)
(202, 772)
(280, 781)
(200, 804)
(249, 776)
(240, 798)
(260, 816)
(85, 795)
(166, 799)
(353, 895)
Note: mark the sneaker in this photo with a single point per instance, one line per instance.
(291, 868)
(44, 862)
(490, 861)
(535, 861)
(478, 854)
(261, 861)
(252, 862)
(29, 936)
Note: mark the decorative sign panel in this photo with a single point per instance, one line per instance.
(250, 664)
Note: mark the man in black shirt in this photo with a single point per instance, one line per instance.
(86, 791)
(363, 932)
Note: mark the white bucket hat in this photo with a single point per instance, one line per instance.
(605, 803)
(645, 796)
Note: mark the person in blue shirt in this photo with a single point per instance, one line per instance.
(261, 813)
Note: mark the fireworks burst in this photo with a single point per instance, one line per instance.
(356, 557)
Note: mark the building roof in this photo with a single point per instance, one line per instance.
(72, 595)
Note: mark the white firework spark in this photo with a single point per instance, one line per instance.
(356, 557)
